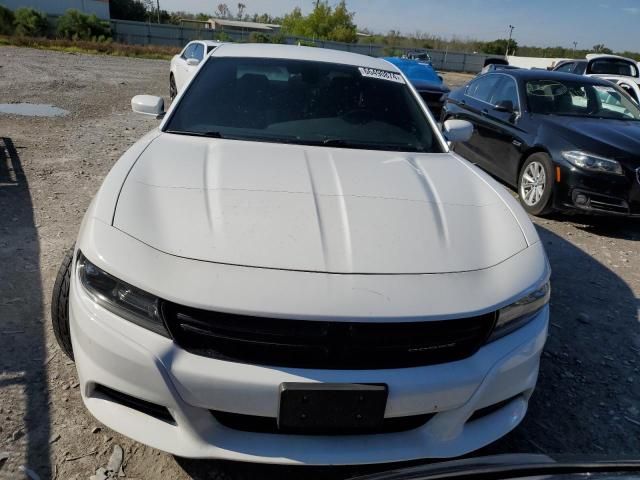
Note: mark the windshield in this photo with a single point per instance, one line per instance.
(314, 103)
(613, 66)
(553, 97)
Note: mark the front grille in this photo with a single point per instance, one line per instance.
(256, 424)
(323, 344)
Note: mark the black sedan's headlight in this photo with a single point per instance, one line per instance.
(120, 298)
(519, 313)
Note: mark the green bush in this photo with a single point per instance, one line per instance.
(77, 26)
(257, 37)
(30, 22)
(6, 21)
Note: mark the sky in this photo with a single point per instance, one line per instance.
(539, 22)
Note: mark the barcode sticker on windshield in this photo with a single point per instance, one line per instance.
(381, 74)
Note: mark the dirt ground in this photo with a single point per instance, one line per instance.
(587, 400)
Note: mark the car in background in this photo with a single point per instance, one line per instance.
(566, 142)
(184, 64)
(620, 70)
(494, 67)
(425, 80)
(419, 55)
(293, 268)
(492, 64)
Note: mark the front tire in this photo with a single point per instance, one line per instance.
(60, 305)
(535, 184)
(173, 89)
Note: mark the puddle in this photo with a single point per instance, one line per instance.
(32, 110)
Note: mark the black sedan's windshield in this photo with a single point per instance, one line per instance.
(293, 101)
(580, 99)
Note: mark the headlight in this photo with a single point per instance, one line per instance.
(518, 314)
(121, 298)
(593, 163)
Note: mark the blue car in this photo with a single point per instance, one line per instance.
(425, 80)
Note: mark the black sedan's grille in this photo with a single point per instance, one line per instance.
(323, 344)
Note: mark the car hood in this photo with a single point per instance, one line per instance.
(315, 208)
(600, 136)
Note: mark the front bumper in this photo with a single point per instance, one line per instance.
(112, 352)
(598, 193)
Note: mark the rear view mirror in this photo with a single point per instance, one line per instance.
(457, 130)
(148, 105)
(193, 62)
(504, 106)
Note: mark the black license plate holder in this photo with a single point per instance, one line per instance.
(317, 408)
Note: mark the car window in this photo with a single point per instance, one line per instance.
(506, 90)
(303, 102)
(198, 51)
(577, 99)
(188, 52)
(211, 48)
(482, 88)
(612, 66)
(566, 67)
(581, 67)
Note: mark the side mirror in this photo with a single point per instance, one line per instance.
(148, 105)
(193, 62)
(457, 130)
(504, 106)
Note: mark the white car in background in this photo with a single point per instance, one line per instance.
(619, 70)
(184, 65)
(294, 268)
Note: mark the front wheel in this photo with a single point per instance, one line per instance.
(535, 184)
(60, 305)
(173, 90)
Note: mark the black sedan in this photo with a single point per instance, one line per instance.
(566, 142)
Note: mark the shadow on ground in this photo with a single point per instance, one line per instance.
(23, 384)
(589, 383)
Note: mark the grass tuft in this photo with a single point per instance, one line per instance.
(91, 47)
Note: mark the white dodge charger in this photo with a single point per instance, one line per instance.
(294, 268)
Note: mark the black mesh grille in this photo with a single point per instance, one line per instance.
(255, 424)
(322, 344)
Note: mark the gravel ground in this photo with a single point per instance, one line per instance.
(50, 168)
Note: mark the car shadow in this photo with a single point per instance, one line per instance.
(24, 394)
(589, 382)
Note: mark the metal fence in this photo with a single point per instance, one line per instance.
(142, 33)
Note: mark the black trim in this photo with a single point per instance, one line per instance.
(483, 412)
(258, 424)
(154, 410)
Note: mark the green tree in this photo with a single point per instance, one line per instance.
(78, 26)
(6, 21)
(601, 48)
(323, 23)
(30, 22)
(128, 10)
(499, 47)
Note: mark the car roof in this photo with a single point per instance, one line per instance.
(294, 52)
(525, 75)
(209, 43)
(601, 56)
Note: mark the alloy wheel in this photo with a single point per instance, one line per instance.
(533, 183)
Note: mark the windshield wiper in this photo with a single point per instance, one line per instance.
(342, 143)
(211, 134)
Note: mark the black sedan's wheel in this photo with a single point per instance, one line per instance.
(60, 305)
(173, 90)
(535, 184)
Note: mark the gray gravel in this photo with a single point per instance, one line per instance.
(589, 387)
